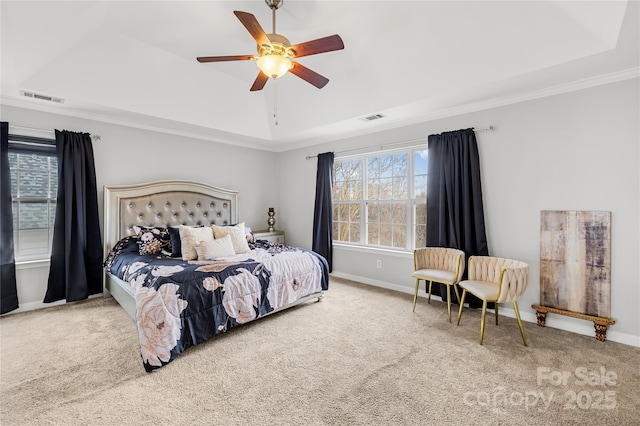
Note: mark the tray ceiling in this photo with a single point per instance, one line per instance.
(134, 63)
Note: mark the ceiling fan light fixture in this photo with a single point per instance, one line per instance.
(275, 56)
(274, 65)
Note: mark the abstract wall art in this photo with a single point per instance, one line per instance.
(575, 261)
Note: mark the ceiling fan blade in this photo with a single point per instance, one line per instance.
(253, 26)
(224, 58)
(261, 80)
(321, 45)
(308, 75)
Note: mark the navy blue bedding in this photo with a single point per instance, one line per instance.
(182, 303)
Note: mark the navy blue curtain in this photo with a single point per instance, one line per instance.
(76, 253)
(455, 214)
(9, 292)
(322, 219)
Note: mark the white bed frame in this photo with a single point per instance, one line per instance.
(163, 203)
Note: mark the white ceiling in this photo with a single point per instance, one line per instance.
(133, 63)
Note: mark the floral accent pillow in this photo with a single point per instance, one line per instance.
(128, 244)
(249, 234)
(153, 240)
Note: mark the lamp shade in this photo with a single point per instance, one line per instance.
(274, 65)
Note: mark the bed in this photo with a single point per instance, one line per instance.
(178, 301)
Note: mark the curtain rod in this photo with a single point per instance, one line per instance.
(487, 128)
(33, 129)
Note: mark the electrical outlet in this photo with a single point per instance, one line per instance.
(379, 264)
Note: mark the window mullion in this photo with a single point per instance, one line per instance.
(18, 175)
(49, 177)
(363, 204)
(410, 240)
(363, 227)
(16, 231)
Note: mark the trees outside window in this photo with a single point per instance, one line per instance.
(379, 199)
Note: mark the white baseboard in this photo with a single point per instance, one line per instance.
(32, 306)
(572, 325)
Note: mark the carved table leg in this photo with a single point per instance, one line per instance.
(542, 318)
(601, 331)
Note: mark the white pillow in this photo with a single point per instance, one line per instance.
(189, 237)
(238, 236)
(215, 249)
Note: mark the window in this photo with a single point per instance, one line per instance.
(379, 200)
(34, 189)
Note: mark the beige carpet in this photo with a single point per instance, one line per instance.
(358, 357)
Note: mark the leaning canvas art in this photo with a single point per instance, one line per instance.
(575, 261)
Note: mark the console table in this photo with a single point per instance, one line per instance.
(599, 323)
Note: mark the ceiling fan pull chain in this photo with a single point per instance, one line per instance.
(275, 101)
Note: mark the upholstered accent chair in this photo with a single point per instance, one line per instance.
(439, 264)
(498, 280)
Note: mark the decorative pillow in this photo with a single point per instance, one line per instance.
(238, 236)
(189, 237)
(153, 240)
(215, 249)
(249, 235)
(176, 246)
(128, 244)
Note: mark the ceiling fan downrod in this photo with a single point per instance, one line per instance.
(274, 5)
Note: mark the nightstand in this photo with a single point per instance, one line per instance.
(273, 236)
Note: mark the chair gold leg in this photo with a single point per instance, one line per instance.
(455, 287)
(415, 295)
(496, 307)
(449, 301)
(484, 317)
(515, 308)
(464, 294)
(429, 297)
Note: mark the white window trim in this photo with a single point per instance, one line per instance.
(39, 260)
(32, 264)
(373, 249)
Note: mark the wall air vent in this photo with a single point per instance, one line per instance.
(41, 97)
(372, 117)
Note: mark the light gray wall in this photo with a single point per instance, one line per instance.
(126, 155)
(573, 151)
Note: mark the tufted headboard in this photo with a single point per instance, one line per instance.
(165, 203)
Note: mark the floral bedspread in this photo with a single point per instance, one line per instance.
(182, 303)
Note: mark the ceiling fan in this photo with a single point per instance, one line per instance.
(275, 52)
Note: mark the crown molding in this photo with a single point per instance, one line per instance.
(525, 96)
(109, 119)
(496, 102)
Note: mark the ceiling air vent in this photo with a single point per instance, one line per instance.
(41, 97)
(372, 117)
